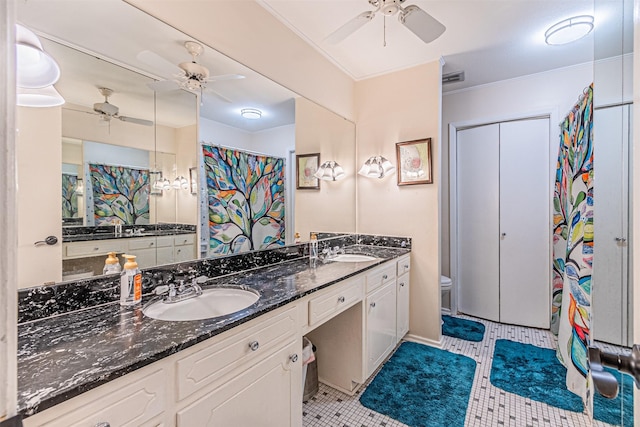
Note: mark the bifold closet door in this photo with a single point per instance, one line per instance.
(477, 177)
(525, 228)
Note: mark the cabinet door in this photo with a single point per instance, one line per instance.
(267, 393)
(184, 253)
(381, 325)
(165, 255)
(145, 257)
(402, 307)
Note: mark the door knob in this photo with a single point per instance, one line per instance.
(293, 358)
(503, 234)
(50, 240)
(254, 345)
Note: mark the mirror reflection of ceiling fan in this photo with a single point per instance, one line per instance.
(108, 111)
(191, 75)
(419, 22)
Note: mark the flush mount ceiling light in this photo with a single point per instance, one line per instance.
(376, 167)
(251, 113)
(35, 68)
(569, 30)
(330, 171)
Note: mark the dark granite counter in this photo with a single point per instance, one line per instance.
(106, 236)
(61, 356)
(85, 234)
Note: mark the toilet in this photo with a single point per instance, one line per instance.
(446, 290)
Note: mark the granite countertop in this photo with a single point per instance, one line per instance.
(62, 356)
(106, 236)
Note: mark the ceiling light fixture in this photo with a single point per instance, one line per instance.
(569, 30)
(251, 113)
(36, 68)
(376, 167)
(330, 171)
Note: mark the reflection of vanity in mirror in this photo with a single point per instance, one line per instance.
(147, 166)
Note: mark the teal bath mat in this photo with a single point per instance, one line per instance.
(422, 386)
(535, 373)
(462, 328)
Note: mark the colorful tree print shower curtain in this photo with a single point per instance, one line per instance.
(573, 244)
(245, 195)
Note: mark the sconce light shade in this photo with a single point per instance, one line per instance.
(79, 187)
(251, 113)
(330, 171)
(569, 30)
(44, 97)
(376, 167)
(35, 67)
(180, 182)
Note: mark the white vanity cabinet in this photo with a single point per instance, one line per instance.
(380, 309)
(402, 298)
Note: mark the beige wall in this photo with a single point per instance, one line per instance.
(404, 106)
(186, 157)
(39, 157)
(332, 208)
(246, 32)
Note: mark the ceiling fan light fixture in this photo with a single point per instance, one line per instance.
(251, 113)
(569, 30)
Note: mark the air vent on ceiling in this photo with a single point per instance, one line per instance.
(457, 76)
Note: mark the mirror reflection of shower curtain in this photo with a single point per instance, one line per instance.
(573, 245)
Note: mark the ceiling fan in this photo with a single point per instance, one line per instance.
(419, 22)
(109, 111)
(191, 76)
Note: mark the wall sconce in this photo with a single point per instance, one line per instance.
(330, 171)
(79, 187)
(376, 167)
(180, 182)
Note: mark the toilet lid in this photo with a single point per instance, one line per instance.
(444, 280)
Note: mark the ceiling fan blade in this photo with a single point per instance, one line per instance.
(350, 27)
(218, 94)
(226, 77)
(134, 120)
(159, 65)
(163, 85)
(420, 23)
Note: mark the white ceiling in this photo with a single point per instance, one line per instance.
(123, 34)
(488, 40)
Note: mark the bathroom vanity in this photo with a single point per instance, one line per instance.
(110, 364)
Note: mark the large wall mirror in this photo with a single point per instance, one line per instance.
(141, 160)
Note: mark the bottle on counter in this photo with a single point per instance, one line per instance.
(296, 238)
(130, 282)
(117, 228)
(111, 264)
(313, 246)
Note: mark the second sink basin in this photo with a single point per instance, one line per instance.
(212, 303)
(353, 258)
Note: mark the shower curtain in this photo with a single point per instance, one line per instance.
(573, 245)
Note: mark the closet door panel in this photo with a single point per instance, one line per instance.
(525, 256)
(477, 206)
(609, 211)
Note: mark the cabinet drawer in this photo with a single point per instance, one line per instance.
(123, 402)
(184, 239)
(380, 275)
(404, 265)
(335, 301)
(142, 243)
(164, 241)
(217, 363)
(97, 247)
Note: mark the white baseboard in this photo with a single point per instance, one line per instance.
(422, 340)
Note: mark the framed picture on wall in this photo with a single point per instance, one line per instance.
(193, 180)
(306, 166)
(414, 162)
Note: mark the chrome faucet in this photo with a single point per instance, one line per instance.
(182, 291)
(330, 253)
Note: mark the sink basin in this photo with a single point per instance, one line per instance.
(212, 303)
(353, 258)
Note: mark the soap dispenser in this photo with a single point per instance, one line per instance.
(313, 246)
(111, 264)
(130, 282)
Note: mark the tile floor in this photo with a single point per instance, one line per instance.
(488, 406)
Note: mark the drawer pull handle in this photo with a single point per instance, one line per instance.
(401, 283)
(293, 358)
(95, 249)
(385, 277)
(406, 266)
(341, 299)
(254, 345)
(151, 244)
(102, 424)
(372, 305)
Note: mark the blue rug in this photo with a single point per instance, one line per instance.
(422, 386)
(461, 328)
(535, 373)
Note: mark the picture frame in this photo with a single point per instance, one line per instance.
(306, 166)
(155, 176)
(193, 180)
(414, 162)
